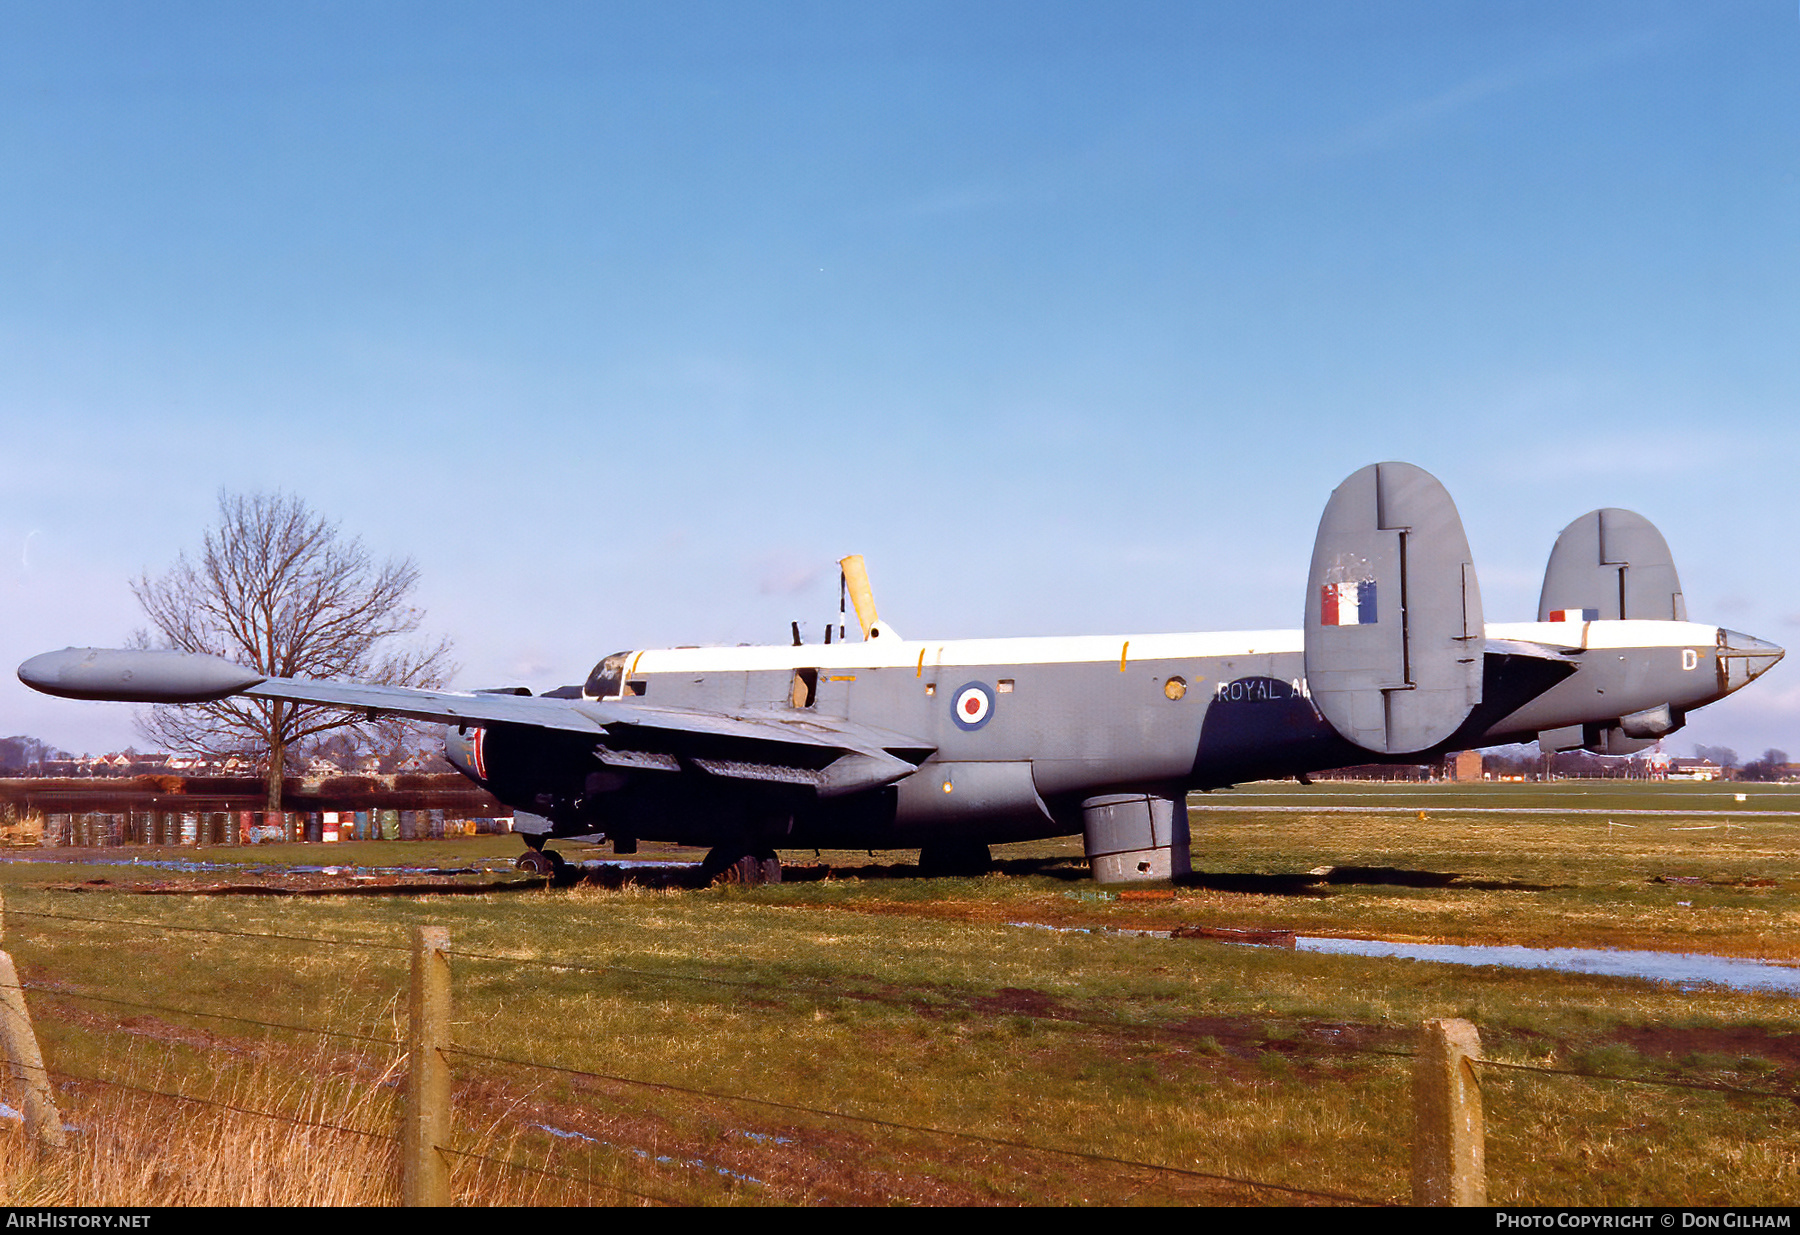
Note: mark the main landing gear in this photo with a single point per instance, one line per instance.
(544, 863)
(731, 864)
(954, 857)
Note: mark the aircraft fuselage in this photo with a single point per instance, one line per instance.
(1024, 731)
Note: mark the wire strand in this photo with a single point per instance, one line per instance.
(210, 930)
(68, 993)
(214, 1102)
(1709, 1086)
(906, 1127)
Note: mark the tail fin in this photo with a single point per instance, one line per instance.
(1394, 632)
(1611, 564)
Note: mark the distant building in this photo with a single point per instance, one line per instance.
(1695, 769)
(1464, 765)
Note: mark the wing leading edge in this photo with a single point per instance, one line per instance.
(830, 755)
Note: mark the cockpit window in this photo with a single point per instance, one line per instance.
(607, 678)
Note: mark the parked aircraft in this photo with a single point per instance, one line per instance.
(951, 746)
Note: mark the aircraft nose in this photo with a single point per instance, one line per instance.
(1743, 658)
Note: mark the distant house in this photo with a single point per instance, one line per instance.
(1695, 769)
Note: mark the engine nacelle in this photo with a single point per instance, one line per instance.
(463, 747)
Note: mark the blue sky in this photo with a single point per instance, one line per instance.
(626, 321)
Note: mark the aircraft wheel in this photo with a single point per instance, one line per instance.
(539, 863)
(735, 866)
(955, 858)
(560, 871)
(770, 867)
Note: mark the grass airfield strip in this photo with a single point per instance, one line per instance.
(917, 1001)
(1532, 864)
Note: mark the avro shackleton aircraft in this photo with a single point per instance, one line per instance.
(951, 746)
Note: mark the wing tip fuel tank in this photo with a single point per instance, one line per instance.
(128, 675)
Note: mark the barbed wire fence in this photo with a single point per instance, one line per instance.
(1447, 1132)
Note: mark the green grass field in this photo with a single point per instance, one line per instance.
(680, 1044)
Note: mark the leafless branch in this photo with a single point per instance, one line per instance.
(279, 589)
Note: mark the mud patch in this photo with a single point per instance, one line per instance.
(1017, 1001)
(309, 884)
(1740, 1041)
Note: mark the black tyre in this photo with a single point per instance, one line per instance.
(735, 866)
(955, 858)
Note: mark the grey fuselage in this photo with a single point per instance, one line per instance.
(1020, 732)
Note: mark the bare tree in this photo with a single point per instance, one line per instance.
(1772, 766)
(1724, 756)
(281, 590)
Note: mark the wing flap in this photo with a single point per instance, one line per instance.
(784, 728)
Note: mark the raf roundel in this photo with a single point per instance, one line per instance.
(972, 706)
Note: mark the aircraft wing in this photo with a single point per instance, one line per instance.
(446, 706)
(831, 754)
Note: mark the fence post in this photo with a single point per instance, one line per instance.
(424, 1171)
(25, 1061)
(1449, 1155)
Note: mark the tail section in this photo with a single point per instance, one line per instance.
(1394, 630)
(1608, 565)
(1611, 564)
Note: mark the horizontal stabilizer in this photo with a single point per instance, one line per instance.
(1611, 564)
(1394, 632)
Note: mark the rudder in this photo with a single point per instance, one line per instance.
(1611, 564)
(1394, 629)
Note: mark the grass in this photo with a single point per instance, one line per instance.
(683, 1041)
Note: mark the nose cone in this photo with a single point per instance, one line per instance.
(1743, 659)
